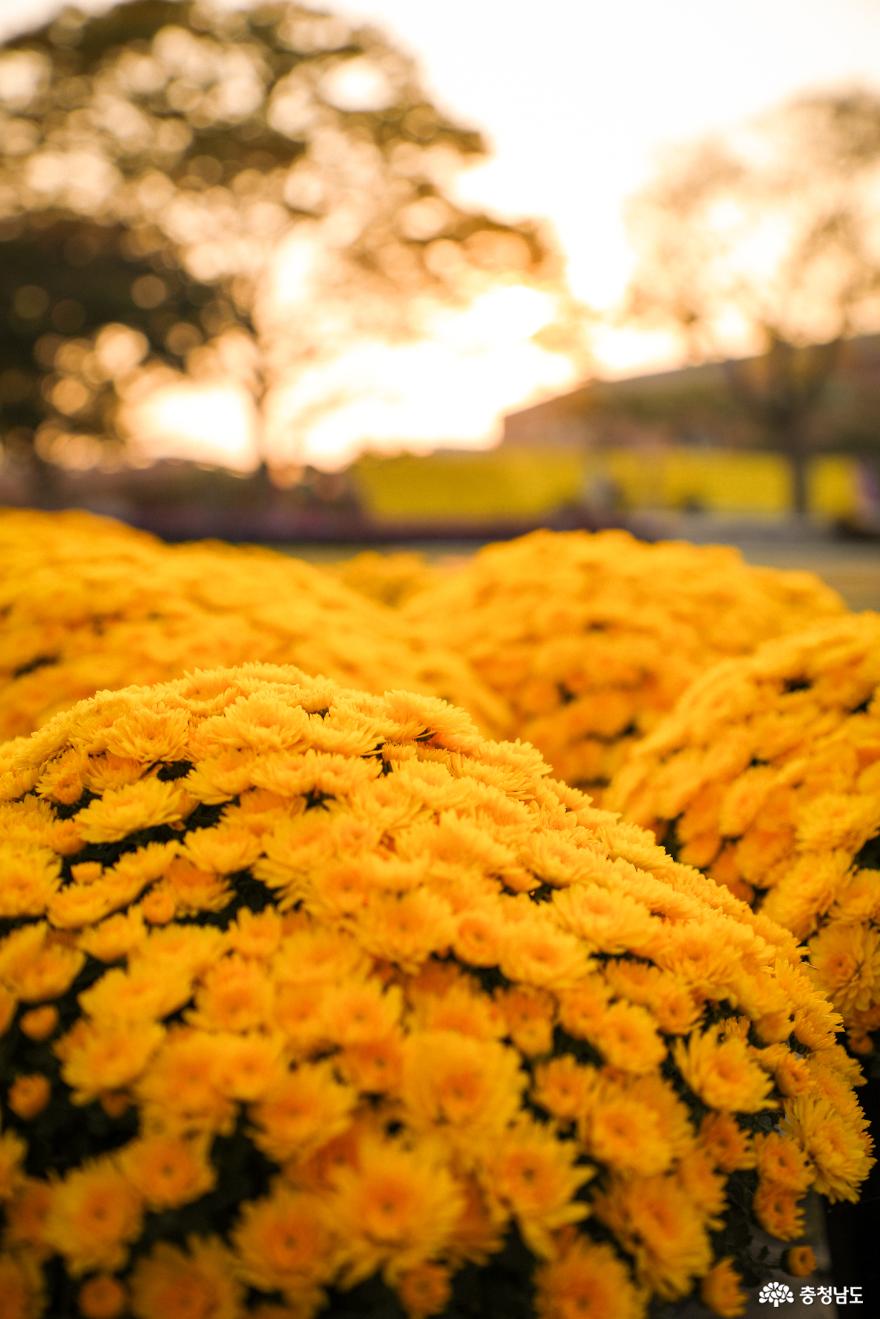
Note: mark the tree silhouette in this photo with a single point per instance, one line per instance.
(769, 242)
(84, 314)
(197, 152)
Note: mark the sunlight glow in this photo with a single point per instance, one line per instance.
(202, 423)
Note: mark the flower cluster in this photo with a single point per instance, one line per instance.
(767, 776)
(89, 604)
(591, 638)
(315, 1001)
(388, 577)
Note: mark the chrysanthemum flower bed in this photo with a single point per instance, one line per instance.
(591, 638)
(388, 577)
(88, 604)
(317, 1002)
(767, 776)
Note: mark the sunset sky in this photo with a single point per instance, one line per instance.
(577, 99)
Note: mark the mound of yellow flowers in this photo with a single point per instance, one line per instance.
(88, 603)
(29, 536)
(591, 638)
(389, 577)
(767, 776)
(317, 1002)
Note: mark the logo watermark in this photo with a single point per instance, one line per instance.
(778, 1294)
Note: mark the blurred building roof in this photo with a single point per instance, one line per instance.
(694, 404)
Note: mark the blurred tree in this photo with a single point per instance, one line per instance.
(277, 155)
(769, 243)
(84, 313)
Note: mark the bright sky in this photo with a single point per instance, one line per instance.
(577, 98)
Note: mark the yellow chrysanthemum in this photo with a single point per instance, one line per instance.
(94, 1216)
(167, 1170)
(776, 754)
(469, 1087)
(723, 1073)
(837, 1149)
(79, 618)
(655, 1220)
(286, 1242)
(307, 1108)
(395, 1210)
(177, 1284)
(532, 1175)
(413, 1008)
(121, 811)
(586, 1281)
(722, 1290)
(105, 1056)
(596, 661)
(21, 1286)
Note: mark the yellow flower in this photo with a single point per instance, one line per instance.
(357, 1012)
(235, 995)
(177, 1284)
(195, 890)
(305, 1110)
(704, 1185)
(654, 1219)
(424, 1290)
(102, 1297)
(250, 1065)
(803, 711)
(126, 810)
(12, 1154)
(586, 1281)
(800, 1261)
(846, 959)
(221, 850)
(467, 1088)
(39, 1023)
(149, 735)
(723, 1073)
(529, 1015)
(21, 1286)
(612, 922)
(137, 994)
(722, 1290)
(779, 1159)
(94, 1216)
(436, 994)
(106, 1055)
(181, 1089)
(407, 929)
(840, 1151)
(286, 1242)
(624, 1132)
(539, 954)
(628, 1039)
(727, 1144)
(115, 937)
(564, 1088)
(37, 965)
(26, 1215)
(28, 880)
(256, 934)
(779, 1210)
(602, 650)
(395, 1210)
(167, 1170)
(532, 1175)
(29, 1095)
